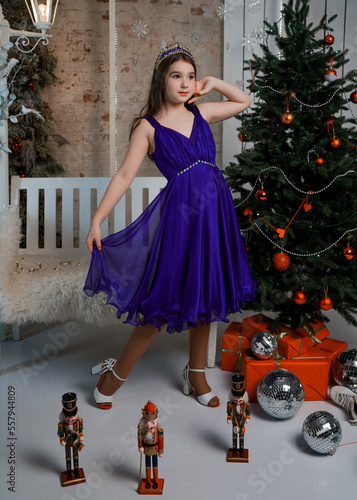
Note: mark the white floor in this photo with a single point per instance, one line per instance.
(42, 367)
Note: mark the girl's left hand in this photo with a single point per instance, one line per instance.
(202, 87)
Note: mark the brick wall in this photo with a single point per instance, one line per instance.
(80, 99)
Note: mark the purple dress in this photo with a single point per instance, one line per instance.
(183, 259)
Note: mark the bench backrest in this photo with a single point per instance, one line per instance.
(61, 208)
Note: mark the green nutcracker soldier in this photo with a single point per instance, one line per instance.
(238, 414)
(70, 432)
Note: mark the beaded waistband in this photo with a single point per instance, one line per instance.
(196, 163)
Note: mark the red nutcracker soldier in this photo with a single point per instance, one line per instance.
(238, 413)
(70, 432)
(151, 443)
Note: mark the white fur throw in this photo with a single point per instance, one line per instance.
(44, 289)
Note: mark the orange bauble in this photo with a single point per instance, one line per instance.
(319, 162)
(242, 137)
(261, 194)
(348, 253)
(329, 39)
(335, 143)
(247, 248)
(281, 261)
(299, 297)
(353, 97)
(326, 303)
(287, 118)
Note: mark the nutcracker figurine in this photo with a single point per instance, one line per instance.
(151, 443)
(70, 432)
(238, 413)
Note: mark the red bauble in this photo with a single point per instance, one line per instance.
(242, 137)
(335, 143)
(348, 253)
(261, 194)
(287, 118)
(247, 248)
(353, 97)
(281, 261)
(329, 39)
(319, 162)
(326, 303)
(299, 297)
(252, 87)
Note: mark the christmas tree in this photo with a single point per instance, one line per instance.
(28, 135)
(296, 176)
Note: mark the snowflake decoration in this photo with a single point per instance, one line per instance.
(139, 28)
(223, 11)
(248, 41)
(254, 5)
(258, 35)
(240, 84)
(196, 39)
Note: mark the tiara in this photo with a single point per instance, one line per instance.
(169, 50)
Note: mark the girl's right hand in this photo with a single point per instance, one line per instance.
(94, 238)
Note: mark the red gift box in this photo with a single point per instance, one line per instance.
(232, 344)
(255, 324)
(291, 342)
(316, 332)
(313, 369)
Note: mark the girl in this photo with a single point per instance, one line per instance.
(182, 263)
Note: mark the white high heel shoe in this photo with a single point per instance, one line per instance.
(104, 402)
(187, 388)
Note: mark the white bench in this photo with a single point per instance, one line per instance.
(43, 283)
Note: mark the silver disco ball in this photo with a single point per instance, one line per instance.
(344, 369)
(280, 393)
(322, 432)
(264, 345)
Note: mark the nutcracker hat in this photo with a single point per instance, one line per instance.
(238, 385)
(69, 401)
(149, 411)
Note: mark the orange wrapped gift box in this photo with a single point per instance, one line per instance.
(232, 344)
(313, 369)
(255, 324)
(291, 342)
(316, 332)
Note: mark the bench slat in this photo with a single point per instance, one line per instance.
(32, 218)
(67, 218)
(50, 218)
(84, 214)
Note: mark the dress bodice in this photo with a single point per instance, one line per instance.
(175, 152)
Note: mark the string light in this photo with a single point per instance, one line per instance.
(293, 185)
(298, 100)
(304, 254)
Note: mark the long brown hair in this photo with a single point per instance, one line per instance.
(156, 95)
